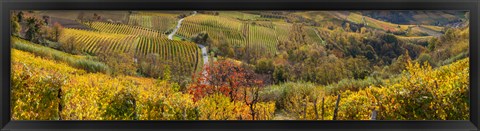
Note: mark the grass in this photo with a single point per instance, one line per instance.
(72, 60)
(176, 37)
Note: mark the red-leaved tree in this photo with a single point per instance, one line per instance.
(224, 77)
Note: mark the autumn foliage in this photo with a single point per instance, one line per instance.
(224, 77)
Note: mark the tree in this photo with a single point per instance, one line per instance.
(57, 31)
(46, 20)
(120, 63)
(224, 77)
(20, 16)
(33, 32)
(227, 49)
(200, 38)
(16, 27)
(264, 66)
(71, 46)
(231, 80)
(432, 44)
(280, 74)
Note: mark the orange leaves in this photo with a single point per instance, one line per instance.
(223, 77)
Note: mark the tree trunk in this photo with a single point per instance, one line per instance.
(59, 96)
(323, 107)
(336, 108)
(315, 108)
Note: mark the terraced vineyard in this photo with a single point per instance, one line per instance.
(161, 22)
(216, 27)
(92, 41)
(183, 52)
(282, 29)
(259, 39)
(125, 29)
(186, 53)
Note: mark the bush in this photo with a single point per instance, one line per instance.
(122, 107)
(264, 110)
(71, 46)
(219, 107)
(294, 98)
(120, 63)
(16, 27)
(353, 84)
(422, 58)
(264, 66)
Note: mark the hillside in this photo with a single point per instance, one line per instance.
(240, 65)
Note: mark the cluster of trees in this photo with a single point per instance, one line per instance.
(36, 30)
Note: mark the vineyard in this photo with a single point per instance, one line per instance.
(96, 96)
(103, 89)
(160, 22)
(125, 29)
(237, 65)
(215, 26)
(186, 53)
(259, 39)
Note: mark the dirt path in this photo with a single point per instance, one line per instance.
(202, 47)
(170, 36)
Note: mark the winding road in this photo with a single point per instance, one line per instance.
(170, 36)
(202, 47)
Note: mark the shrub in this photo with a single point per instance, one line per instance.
(16, 27)
(264, 66)
(122, 107)
(219, 107)
(353, 84)
(294, 98)
(120, 63)
(71, 46)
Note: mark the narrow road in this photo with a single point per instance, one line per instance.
(170, 36)
(202, 47)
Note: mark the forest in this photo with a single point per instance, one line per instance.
(239, 65)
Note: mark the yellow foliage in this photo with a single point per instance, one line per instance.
(423, 93)
(220, 107)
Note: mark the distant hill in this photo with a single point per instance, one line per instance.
(438, 18)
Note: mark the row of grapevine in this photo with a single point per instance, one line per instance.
(124, 29)
(218, 28)
(183, 52)
(260, 39)
(94, 42)
(156, 21)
